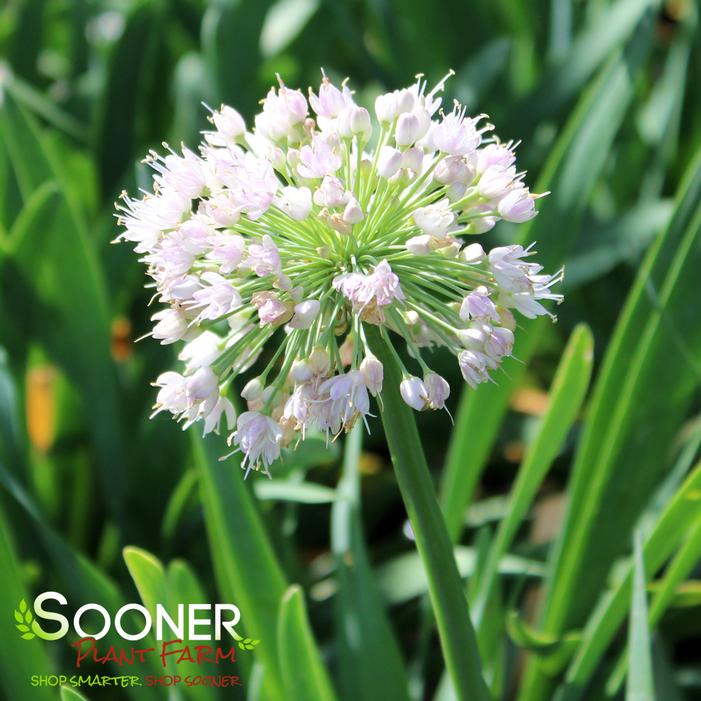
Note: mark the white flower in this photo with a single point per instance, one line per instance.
(435, 219)
(389, 106)
(453, 169)
(172, 395)
(171, 327)
(201, 384)
(456, 134)
(331, 192)
(296, 202)
(330, 102)
(254, 186)
(414, 393)
(478, 305)
(517, 206)
(184, 174)
(389, 162)
(263, 258)
(271, 309)
(282, 111)
(381, 287)
(275, 250)
(218, 298)
(259, 438)
(321, 157)
(474, 253)
(305, 314)
(495, 154)
(353, 214)
(222, 409)
(496, 181)
(229, 124)
(227, 249)
(437, 389)
(409, 129)
(473, 366)
(373, 374)
(347, 401)
(201, 351)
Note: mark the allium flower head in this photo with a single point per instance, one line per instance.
(274, 248)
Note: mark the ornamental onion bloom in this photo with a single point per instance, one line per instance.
(296, 235)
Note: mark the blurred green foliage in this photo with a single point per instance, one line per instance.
(603, 95)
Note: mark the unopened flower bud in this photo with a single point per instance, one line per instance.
(301, 371)
(386, 108)
(373, 374)
(305, 314)
(319, 361)
(408, 129)
(474, 253)
(389, 162)
(253, 389)
(297, 202)
(473, 338)
(414, 393)
(201, 384)
(413, 158)
(360, 123)
(352, 214)
(419, 245)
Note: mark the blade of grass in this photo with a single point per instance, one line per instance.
(184, 586)
(117, 117)
(303, 670)
(296, 492)
(670, 529)
(245, 566)
(640, 685)
(32, 99)
(246, 569)
(16, 668)
(632, 367)
(624, 239)
(590, 48)
(68, 694)
(676, 572)
(630, 424)
(230, 37)
(81, 579)
(363, 630)
(403, 577)
(445, 588)
(53, 273)
(571, 172)
(151, 582)
(566, 397)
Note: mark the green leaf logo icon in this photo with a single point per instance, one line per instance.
(24, 619)
(248, 643)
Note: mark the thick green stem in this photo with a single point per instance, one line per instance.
(445, 586)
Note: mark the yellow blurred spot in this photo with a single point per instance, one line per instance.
(694, 495)
(677, 10)
(514, 451)
(122, 345)
(41, 407)
(529, 400)
(370, 464)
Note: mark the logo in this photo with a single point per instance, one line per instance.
(26, 624)
(195, 622)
